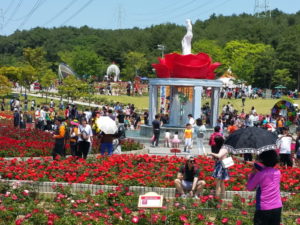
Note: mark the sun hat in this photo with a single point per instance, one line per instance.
(75, 123)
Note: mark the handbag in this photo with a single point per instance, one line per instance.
(227, 162)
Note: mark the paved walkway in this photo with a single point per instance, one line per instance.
(64, 99)
(161, 150)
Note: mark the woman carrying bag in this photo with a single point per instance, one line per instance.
(220, 171)
(85, 137)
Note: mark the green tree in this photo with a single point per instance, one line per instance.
(84, 61)
(73, 88)
(47, 80)
(209, 47)
(35, 57)
(135, 63)
(283, 77)
(243, 56)
(27, 76)
(11, 72)
(5, 85)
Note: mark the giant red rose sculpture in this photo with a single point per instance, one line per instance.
(175, 65)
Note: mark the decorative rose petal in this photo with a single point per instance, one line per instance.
(197, 66)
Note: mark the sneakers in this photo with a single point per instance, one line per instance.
(183, 196)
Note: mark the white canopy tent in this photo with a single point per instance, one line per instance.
(228, 81)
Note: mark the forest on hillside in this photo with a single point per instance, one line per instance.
(262, 51)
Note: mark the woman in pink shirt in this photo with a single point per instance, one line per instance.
(266, 180)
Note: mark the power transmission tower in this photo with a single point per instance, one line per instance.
(120, 16)
(262, 8)
(1, 20)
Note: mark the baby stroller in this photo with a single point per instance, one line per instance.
(119, 135)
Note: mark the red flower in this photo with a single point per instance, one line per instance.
(183, 218)
(225, 220)
(298, 220)
(14, 197)
(239, 222)
(163, 218)
(200, 217)
(244, 213)
(135, 219)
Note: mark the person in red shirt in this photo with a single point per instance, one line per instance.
(232, 127)
(212, 142)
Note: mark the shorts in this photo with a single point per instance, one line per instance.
(187, 185)
(188, 142)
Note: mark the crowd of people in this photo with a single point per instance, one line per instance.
(264, 178)
(68, 124)
(80, 128)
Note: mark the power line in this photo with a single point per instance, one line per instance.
(183, 13)
(9, 6)
(186, 13)
(37, 4)
(60, 12)
(13, 12)
(77, 12)
(166, 11)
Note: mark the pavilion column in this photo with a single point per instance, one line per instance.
(214, 106)
(152, 103)
(197, 102)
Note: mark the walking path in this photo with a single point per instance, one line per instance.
(161, 150)
(64, 100)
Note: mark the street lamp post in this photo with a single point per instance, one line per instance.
(162, 48)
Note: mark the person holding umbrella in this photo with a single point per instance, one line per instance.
(108, 129)
(264, 178)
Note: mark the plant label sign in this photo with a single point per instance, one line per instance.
(150, 200)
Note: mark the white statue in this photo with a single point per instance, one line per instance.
(113, 70)
(187, 39)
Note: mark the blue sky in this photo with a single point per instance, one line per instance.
(114, 14)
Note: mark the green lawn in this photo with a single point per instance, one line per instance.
(262, 106)
(141, 102)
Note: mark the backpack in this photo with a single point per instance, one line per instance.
(200, 134)
(120, 132)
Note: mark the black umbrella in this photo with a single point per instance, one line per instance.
(250, 140)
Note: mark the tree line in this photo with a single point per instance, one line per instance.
(263, 52)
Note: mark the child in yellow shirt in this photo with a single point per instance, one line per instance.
(188, 136)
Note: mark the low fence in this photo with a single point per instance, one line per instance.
(47, 187)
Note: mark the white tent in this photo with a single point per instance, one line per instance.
(228, 81)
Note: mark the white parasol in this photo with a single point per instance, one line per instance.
(107, 125)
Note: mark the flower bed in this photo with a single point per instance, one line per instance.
(15, 142)
(21, 205)
(131, 170)
(130, 145)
